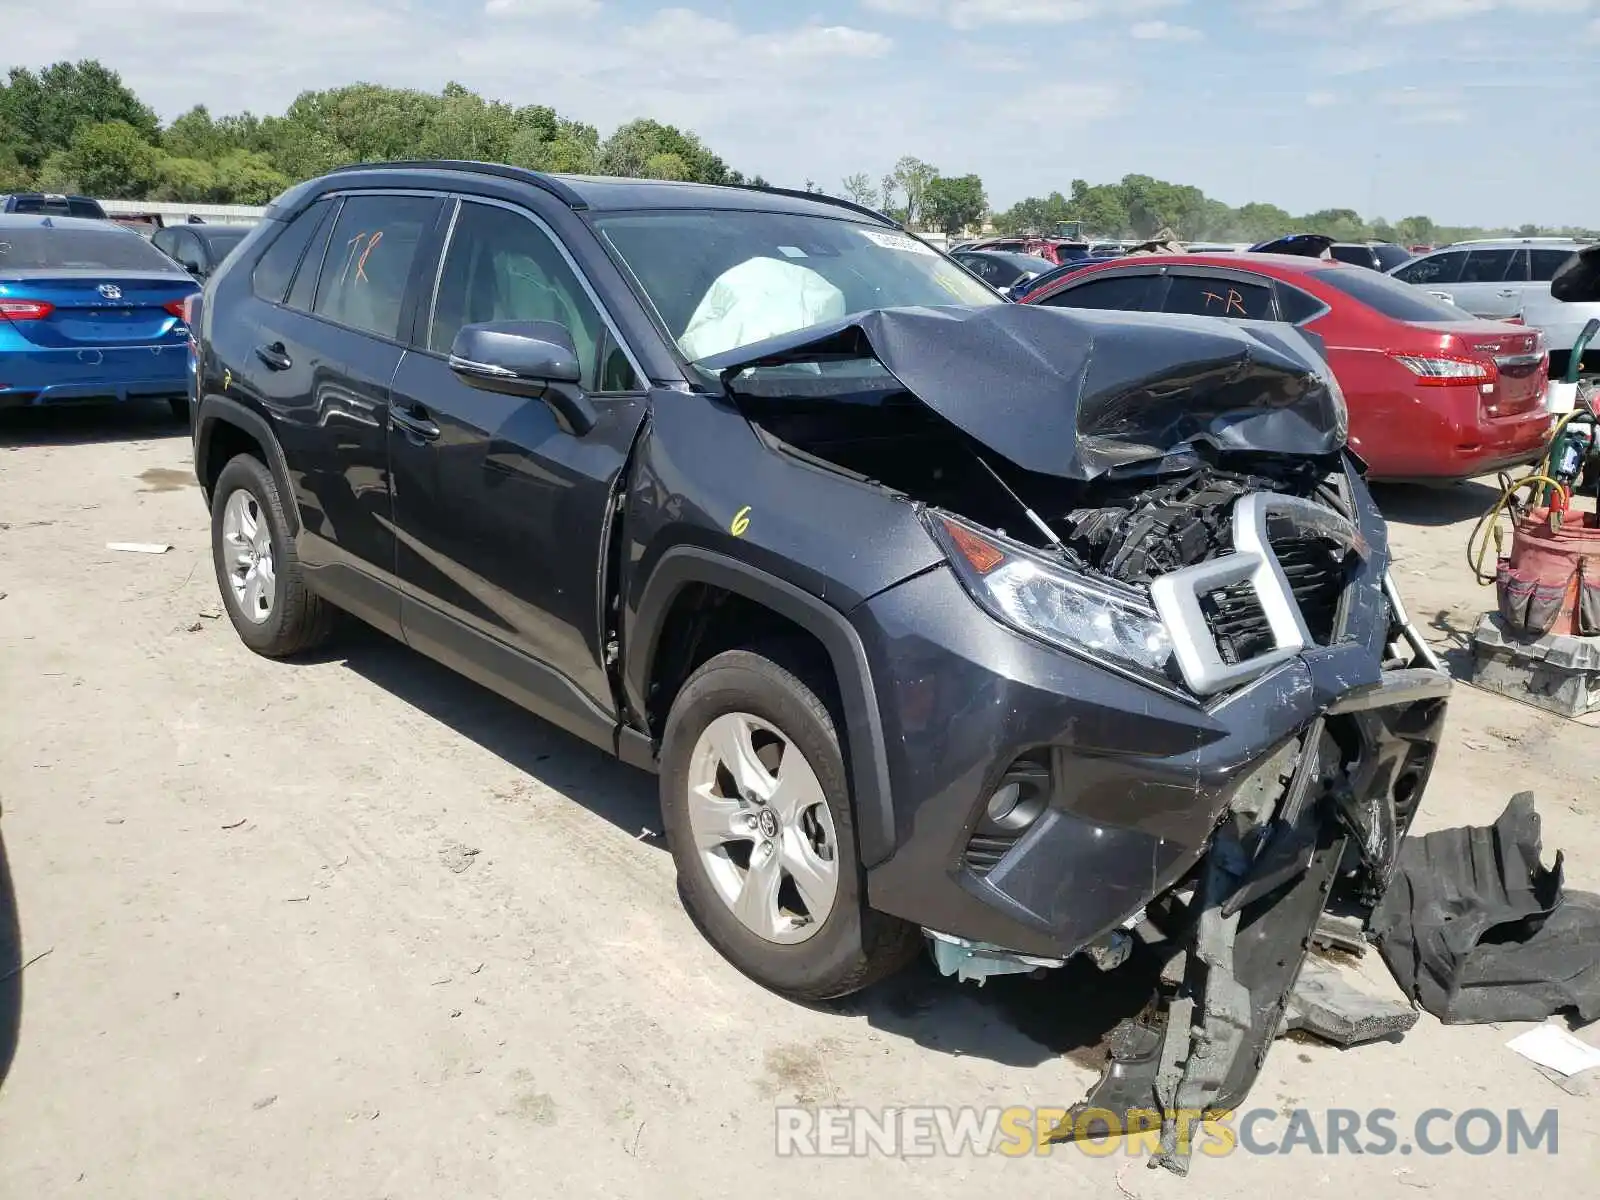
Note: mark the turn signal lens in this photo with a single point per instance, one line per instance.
(982, 556)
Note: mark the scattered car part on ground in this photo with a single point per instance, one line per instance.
(1433, 392)
(1477, 929)
(89, 312)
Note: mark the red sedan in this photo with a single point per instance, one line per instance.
(1433, 392)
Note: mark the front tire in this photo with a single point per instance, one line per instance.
(258, 574)
(756, 803)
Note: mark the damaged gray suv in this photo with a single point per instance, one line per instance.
(1021, 632)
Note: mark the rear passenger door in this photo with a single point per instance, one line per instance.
(326, 346)
(503, 514)
(1492, 282)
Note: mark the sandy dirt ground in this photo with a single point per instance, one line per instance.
(354, 928)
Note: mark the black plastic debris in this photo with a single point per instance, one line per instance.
(1476, 929)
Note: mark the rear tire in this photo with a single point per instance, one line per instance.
(272, 609)
(726, 840)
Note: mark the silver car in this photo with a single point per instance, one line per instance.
(1508, 278)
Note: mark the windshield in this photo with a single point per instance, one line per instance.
(36, 247)
(723, 280)
(1401, 301)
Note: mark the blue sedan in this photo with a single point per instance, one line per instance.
(89, 312)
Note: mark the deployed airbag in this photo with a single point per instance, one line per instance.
(759, 298)
(1476, 929)
(1076, 393)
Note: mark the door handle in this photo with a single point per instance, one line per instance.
(415, 422)
(274, 356)
(1508, 294)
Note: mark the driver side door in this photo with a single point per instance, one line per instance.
(501, 514)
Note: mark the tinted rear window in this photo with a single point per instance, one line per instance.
(1132, 293)
(38, 248)
(1390, 257)
(1388, 296)
(1545, 263)
(1361, 256)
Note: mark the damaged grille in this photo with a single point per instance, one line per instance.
(1317, 572)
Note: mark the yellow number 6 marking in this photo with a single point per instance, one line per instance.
(741, 522)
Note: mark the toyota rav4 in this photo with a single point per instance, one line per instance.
(1019, 632)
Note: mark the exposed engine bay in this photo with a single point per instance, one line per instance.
(1178, 511)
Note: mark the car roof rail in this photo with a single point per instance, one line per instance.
(549, 183)
(821, 198)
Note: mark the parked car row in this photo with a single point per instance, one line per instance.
(1509, 279)
(1433, 392)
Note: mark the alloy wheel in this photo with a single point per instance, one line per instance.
(247, 551)
(762, 828)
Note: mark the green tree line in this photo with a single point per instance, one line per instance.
(76, 127)
(1140, 206)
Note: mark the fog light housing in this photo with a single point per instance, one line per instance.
(1019, 800)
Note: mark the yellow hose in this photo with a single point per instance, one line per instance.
(1488, 523)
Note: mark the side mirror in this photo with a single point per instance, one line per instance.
(525, 358)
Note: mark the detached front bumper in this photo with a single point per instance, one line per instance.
(1138, 781)
(1225, 829)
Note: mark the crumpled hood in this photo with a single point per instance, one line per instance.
(1074, 392)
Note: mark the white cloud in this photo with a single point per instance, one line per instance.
(974, 14)
(1164, 31)
(1063, 105)
(542, 8)
(1321, 99)
(1426, 106)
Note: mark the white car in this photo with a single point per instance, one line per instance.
(1509, 278)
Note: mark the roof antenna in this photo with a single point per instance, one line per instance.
(1035, 518)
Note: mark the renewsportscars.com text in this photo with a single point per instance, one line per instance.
(842, 1132)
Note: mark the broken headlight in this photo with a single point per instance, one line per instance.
(1054, 603)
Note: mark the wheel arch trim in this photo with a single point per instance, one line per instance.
(684, 566)
(217, 410)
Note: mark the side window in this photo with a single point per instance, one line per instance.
(1517, 272)
(369, 259)
(500, 266)
(304, 288)
(1295, 306)
(979, 266)
(1212, 297)
(1436, 268)
(162, 241)
(1543, 264)
(270, 279)
(1487, 266)
(186, 249)
(1132, 293)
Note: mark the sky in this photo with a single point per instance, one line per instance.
(1473, 112)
